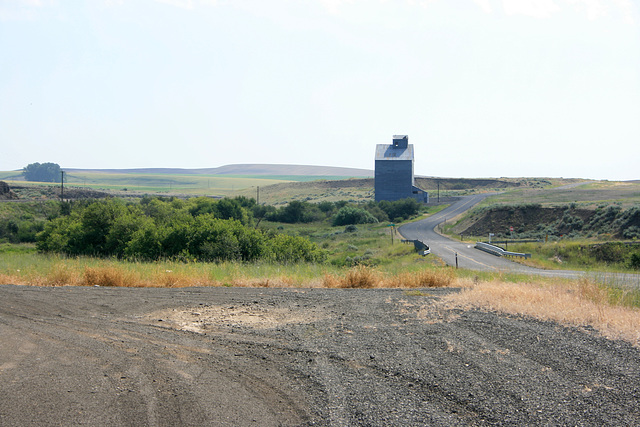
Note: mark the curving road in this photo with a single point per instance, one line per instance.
(474, 259)
(445, 248)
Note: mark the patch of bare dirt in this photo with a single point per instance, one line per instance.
(208, 318)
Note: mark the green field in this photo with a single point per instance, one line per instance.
(188, 184)
(589, 194)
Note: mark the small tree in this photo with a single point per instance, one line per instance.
(45, 172)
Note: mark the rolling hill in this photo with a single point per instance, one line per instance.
(247, 169)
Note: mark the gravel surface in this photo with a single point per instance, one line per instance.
(257, 356)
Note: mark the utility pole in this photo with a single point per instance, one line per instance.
(61, 185)
(438, 191)
(258, 196)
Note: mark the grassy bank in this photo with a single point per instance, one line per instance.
(582, 255)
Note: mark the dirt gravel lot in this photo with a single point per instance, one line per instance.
(257, 356)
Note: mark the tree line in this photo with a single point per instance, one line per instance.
(200, 229)
(42, 172)
(342, 212)
(196, 230)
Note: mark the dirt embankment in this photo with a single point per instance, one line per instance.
(224, 356)
(479, 183)
(525, 218)
(6, 193)
(533, 220)
(48, 192)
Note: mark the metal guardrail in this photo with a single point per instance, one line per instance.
(421, 247)
(498, 251)
(506, 242)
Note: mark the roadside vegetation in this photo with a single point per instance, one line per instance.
(206, 230)
(604, 237)
(117, 243)
(592, 303)
(21, 222)
(582, 254)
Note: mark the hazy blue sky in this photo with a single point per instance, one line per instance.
(483, 88)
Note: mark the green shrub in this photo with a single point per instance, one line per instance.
(351, 228)
(400, 210)
(350, 215)
(296, 212)
(192, 230)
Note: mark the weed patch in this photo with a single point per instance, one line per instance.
(108, 276)
(579, 303)
(366, 277)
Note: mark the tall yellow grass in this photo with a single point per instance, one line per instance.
(577, 303)
(75, 272)
(367, 278)
(62, 274)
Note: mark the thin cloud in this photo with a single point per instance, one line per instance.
(333, 6)
(628, 9)
(593, 9)
(533, 8)
(183, 4)
(187, 4)
(22, 10)
(485, 5)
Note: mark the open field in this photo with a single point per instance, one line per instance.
(278, 185)
(213, 185)
(362, 189)
(210, 182)
(589, 194)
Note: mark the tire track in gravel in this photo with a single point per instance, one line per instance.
(299, 357)
(143, 377)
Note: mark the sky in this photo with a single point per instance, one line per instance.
(483, 88)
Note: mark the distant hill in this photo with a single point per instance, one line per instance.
(246, 169)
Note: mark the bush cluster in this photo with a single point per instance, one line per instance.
(198, 229)
(341, 212)
(295, 212)
(21, 222)
(350, 215)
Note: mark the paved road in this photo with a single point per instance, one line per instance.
(474, 259)
(445, 248)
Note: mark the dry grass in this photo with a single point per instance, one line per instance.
(366, 277)
(423, 279)
(264, 282)
(64, 274)
(578, 303)
(171, 279)
(107, 276)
